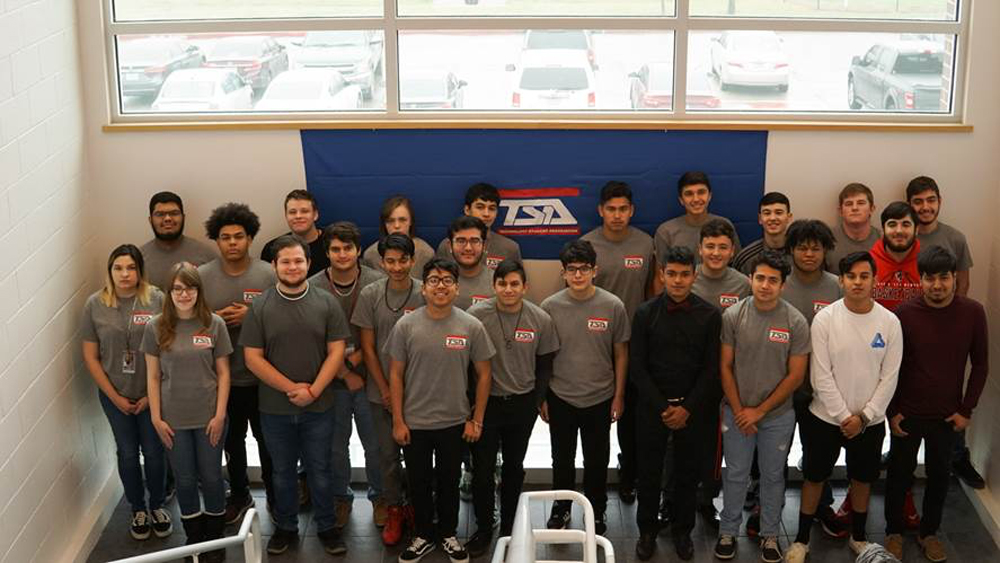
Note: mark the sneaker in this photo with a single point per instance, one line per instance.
(796, 553)
(832, 527)
(560, 517)
(844, 512)
(454, 549)
(753, 523)
(753, 495)
(646, 546)
(709, 514)
(857, 546)
(380, 512)
(392, 532)
(725, 548)
(281, 541)
(162, 525)
(894, 545)
(140, 527)
(465, 485)
(237, 508)
(963, 469)
(600, 524)
(770, 551)
(342, 513)
(479, 543)
(417, 549)
(933, 549)
(333, 541)
(910, 516)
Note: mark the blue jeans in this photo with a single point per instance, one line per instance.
(348, 405)
(135, 432)
(771, 442)
(307, 436)
(197, 462)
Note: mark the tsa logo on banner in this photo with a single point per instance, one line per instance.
(537, 211)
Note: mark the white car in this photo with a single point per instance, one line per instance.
(204, 89)
(554, 79)
(310, 89)
(750, 58)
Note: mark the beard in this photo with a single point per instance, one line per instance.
(896, 248)
(169, 237)
(294, 285)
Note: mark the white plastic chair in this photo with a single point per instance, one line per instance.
(521, 546)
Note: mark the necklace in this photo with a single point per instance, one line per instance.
(509, 342)
(334, 285)
(281, 293)
(385, 297)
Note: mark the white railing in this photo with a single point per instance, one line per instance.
(249, 536)
(521, 546)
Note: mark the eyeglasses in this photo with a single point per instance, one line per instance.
(163, 214)
(467, 241)
(435, 281)
(574, 270)
(178, 290)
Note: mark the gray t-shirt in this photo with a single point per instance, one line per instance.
(348, 302)
(624, 267)
(763, 342)
(584, 369)
(810, 299)
(498, 249)
(294, 335)
(678, 232)
(518, 338)
(724, 291)
(475, 289)
(222, 290)
(117, 330)
(188, 382)
(158, 261)
(952, 239)
(846, 245)
(422, 254)
(437, 353)
(373, 312)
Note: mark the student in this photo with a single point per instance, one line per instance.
(896, 256)
(397, 217)
(111, 330)
(187, 351)
(466, 236)
(431, 351)
(765, 349)
(232, 281)
(587, 391)
(482, 201)
(380, 306)
(774, 212)
(854, 231)
(942, 331)
(293, 341)
(169, 245)
(626, 265)
(301, 214)
(695, 193)
(674, 359)
(526, 342)
(344, 279)
(717, 282)
(857, 346)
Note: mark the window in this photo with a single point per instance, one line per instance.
(626, 60)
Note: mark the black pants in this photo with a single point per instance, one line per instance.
(939, 441)
(594, 425)
(434, 467)
(688, 443)
(243, 411)
(710, 473)
(507, 426)
(626, 426)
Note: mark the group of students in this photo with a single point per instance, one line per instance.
(438, 357)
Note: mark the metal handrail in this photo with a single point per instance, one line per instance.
(249, 536)
(520, 546)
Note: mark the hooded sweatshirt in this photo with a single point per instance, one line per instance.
(895, 282)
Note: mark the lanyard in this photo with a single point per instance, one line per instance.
(128, 326)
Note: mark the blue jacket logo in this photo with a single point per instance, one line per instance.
(878, 342)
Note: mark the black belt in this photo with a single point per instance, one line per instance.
(511, 397)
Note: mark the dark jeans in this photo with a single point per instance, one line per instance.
(242, 410)
(434, 467)
(626, 428)
(594, 426)
(197, 463)
(688, 444)
(939, 442)
(135, 432)
(507, 425)
(306, 436)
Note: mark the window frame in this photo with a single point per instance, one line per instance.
(681, 24)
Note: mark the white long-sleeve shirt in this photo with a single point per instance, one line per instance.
(855, 362)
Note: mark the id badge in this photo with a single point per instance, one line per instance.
(128, 362)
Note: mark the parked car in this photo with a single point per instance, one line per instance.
(204, 89)
(905, 75)
(310, 89)
(430, 89)
(560, 39)
(258, 58)
(750, 58)
(651, 87)
(356, 54)
(143, 64)
(554, 79)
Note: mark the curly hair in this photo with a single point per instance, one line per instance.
(232, 214)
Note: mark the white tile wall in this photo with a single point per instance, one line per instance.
(55, 448)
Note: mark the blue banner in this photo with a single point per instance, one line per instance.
(550, 181)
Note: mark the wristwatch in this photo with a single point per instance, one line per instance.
(864, 419)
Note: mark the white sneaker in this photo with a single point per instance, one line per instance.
(455, 550)
(857, 546)
(796, 553)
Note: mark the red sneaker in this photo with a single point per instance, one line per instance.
(910, 516)
(392, 532)
(844, 512)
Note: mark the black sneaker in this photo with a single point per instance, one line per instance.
(753, 523)
(560, 517)
(416, 550)
(162, 525)
(770, 551)
(236, 508)
(479, 543)
(963, 469)
(456, 552)
(333, 541)
(140, 528)
(684, 546)
(281, 541)
(600, 524)
(725, 548)
(646, 546)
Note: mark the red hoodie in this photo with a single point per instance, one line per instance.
(896, 282)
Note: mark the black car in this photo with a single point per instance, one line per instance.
(257, 58)
(144, 64)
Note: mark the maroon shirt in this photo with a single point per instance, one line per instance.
(937, 343)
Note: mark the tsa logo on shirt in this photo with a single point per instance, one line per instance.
(878, 341)
(201, 341)
(251, 294)
(140, 318)
(524, 335)
(597, 324)
(633, 262)
(728, 300)
(779, 335)
(479, 298)
(493, 261)
(453, 342)
(819, 305)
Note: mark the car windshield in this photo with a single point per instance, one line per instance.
(142, 52)
(236, 50)
(187, 89)
(334, 38)
(919, 63)
(755, 43)
(557, 40)
(298, 90)
(422, 87)
(554, 78)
